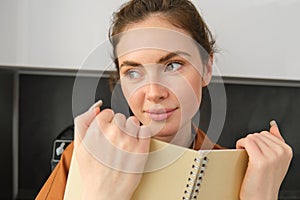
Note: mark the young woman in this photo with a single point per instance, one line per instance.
(164, 55)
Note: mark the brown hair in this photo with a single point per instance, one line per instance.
(181, 13)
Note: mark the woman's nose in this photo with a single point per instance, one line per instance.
(156, 92)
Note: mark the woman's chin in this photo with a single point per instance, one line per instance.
(166, 134)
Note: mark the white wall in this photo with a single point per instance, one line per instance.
(257, 38)
(53, 33)
(8, 25)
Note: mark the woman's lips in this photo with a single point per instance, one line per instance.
(160, 115)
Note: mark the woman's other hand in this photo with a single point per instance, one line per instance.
(111, 152)
(269, 160)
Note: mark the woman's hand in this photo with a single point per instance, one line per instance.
(269, 160)
(111, 152)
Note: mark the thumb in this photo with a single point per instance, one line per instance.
(83, 121)
(274, 130)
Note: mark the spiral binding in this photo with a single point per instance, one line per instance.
(197, 172)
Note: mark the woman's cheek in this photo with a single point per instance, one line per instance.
(188, 94)
(135, 99)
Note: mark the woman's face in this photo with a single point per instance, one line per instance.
(163, 85)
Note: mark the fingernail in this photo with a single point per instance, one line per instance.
(97, 104)
(273, 123)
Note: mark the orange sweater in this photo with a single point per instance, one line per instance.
(54, 187)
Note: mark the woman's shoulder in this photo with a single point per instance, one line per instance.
(202, 141)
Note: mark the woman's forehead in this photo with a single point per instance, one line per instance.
(155, 38)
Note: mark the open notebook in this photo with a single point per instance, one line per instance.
(174, 172)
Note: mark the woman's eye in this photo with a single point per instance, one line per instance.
(132, 74)
(173, 66)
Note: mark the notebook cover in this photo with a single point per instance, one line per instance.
(168, 169)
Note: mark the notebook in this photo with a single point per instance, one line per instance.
(173, 172)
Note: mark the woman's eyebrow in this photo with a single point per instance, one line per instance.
(171, 55)
(130, 63)
(161, 60)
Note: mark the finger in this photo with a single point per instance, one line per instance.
(87, 117)
(250, 145)
(249, 140)
(266, 145)
(274, 130)
(132, 126)
(272, 137)
(106, 116)
(272, 151)
(96, 105)
(272, 147)
(120, 121)
(240, 144)
(135, 120)
(278, 144)
(144, 136)
(144, 132)
(83, 121)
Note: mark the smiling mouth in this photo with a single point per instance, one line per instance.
(161, 114)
